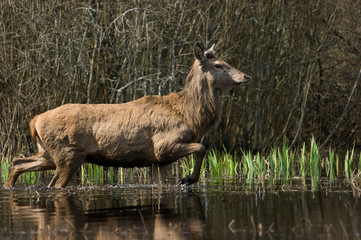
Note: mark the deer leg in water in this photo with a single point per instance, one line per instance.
(64, 171)
(182, 150)
(193, 178)
(39, 162)
(62, 176)
(197, 169)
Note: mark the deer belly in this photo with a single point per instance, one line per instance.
(124, 160)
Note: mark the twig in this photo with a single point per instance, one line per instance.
(306, 91)
(122, 89)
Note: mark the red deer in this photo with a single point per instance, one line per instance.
(152, 130)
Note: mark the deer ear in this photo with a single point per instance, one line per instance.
(210, 53)
(198, 52)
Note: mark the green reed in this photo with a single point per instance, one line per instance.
(272, 163)
(303, 162)
(280, 163)
(314, 163)
(187, 165)
(249, 169)
(283, 163)
(348, 164)
(286, 159)
(4, 168)
(330, 165)
(220, 164)
(91, 174)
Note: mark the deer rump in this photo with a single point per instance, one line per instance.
(153, 130)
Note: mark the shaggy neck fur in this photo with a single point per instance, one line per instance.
(198, 102)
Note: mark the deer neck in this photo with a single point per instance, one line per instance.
(201, 107)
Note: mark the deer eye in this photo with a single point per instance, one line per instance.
(218, 66)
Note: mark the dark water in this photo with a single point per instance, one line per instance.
(213, 210)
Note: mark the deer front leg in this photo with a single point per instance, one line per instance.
(197, 169)
(180, 150)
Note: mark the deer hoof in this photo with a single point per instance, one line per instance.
(188, 180)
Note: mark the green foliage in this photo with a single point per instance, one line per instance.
(187, 165)
(273, 166)
(4, 168)
(222, 164)
(280, 164)
(248, 166)
(330, 165)
(302, 162)
(314, 163)
(348, 164)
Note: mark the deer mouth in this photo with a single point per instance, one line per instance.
(246, 80)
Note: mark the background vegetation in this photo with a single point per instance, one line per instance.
(304, 58)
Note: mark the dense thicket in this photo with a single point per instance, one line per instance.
(304, 57)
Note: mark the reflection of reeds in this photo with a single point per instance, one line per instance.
(281, 163)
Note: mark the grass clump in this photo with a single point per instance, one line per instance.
(281, 163)
(220, 164)
(4, 168)
(330, 165)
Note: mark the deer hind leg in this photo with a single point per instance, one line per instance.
(39, 162)
(65, 169)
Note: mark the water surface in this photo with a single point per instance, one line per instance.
(209, 210)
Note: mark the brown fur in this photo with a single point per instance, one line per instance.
(152, 130)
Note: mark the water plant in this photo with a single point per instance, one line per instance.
(286, 157)
(248, 169)
(302, 162)
(280, 164)
(4, 168)
(330, 165)
(314, 163)
(187, 165)
(215, 165)
(260, 165)
(272, 163)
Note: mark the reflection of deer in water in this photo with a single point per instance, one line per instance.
(153, 130)
(63, 216)
(56, 222)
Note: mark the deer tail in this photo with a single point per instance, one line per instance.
(33, 131)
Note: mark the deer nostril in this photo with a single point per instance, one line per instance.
(247, 77)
